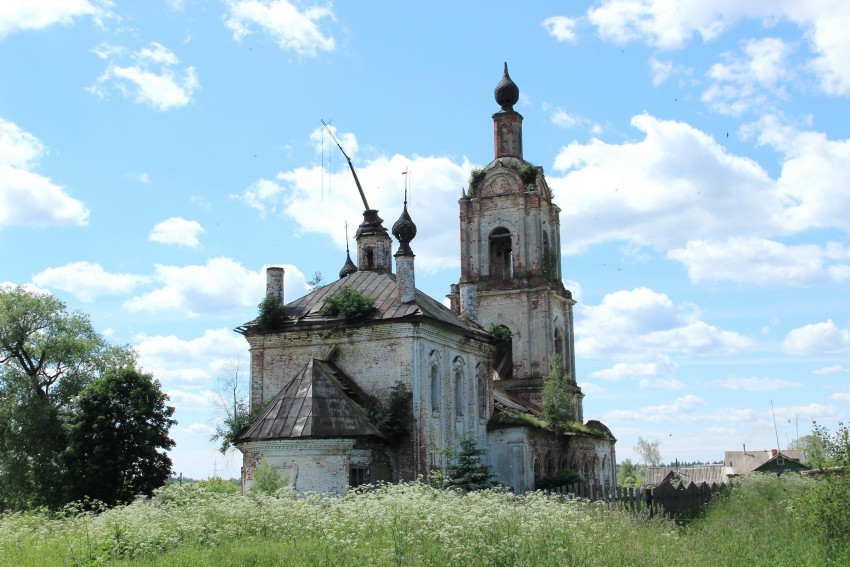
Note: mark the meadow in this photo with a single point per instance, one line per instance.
(758, 523)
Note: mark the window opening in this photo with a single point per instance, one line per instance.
(501, 254)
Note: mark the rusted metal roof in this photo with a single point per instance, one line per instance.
(318, 402)
(381, 287)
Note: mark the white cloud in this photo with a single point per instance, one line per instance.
(687, 404)
(627, 370)
(561, 28)
(817, 338)
(562, 118)
(661, 71)
(152, 80)
(435, 186)
(841, 396)
(28, 198)
(762, 262)
(293, 30)
(18, 15)
(831, 369)
(756, 384)
(675, 185)
(185, 363)
(86, 281)
(177, 231)
(643, 322)
(661, 384)
(668, 25)
(739, 83)
(678, 185)
(221, 287)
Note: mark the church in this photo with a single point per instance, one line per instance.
(474, 367)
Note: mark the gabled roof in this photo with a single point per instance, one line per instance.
(318, 402)
(781, 463)
(380, 286)
(742, 462)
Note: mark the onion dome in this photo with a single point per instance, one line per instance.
(507, 93)
(349, 267)
(404, 230)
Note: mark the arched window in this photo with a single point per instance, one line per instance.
(435, 389)
(559, 344)
(482, 393)
(370, 257)
(501, 255)
(548, 258)
(458, 391)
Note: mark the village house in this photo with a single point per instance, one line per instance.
(477, 366)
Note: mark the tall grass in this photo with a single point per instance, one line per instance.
(413, 524)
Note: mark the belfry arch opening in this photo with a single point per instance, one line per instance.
(504, 359)
(501, 254)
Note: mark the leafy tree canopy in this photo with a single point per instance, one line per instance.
(115, 436)
(649, 451)
(272, 315)
(48, 356)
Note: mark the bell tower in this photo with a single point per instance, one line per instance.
(510, 243)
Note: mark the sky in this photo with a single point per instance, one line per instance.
(156, 157)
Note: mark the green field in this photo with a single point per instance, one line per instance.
(765, 521)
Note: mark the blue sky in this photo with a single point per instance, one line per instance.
(156, 156)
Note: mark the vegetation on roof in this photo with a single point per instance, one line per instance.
(349, 304)
(272, 315)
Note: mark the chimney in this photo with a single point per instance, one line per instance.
(773, 453)
(274, 283)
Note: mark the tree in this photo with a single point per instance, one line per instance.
(233, 407)
(466, 471)
(393, 415)
(348, 304)
(272, 316)
(48, 355)
(649, 451)
(114, 437)
(558, 408)
(811, 449)
(55, 351)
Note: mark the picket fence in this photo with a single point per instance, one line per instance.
(676, 500)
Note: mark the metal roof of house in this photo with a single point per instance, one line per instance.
(696, 474)
(318, 402)
(742, 462)
(380, 286)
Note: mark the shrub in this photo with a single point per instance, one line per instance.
(348, 304)
(561, 478)
(268, 480)
(558, 397)
(475, 176)
(393, 415)
(272, 315)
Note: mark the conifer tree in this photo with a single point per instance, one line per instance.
(466, 470)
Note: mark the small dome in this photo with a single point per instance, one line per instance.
(349, 267)
(507, 93)
(404, 230)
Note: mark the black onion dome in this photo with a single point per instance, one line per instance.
(349, 267)
(507, 93)
(404, 230)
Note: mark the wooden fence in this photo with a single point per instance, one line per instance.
(676, 500)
